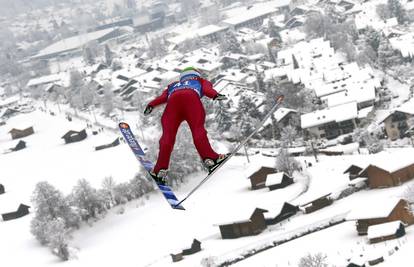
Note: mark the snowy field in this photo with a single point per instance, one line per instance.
(150, 230)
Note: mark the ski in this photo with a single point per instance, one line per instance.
(279, 100)
(148, 165)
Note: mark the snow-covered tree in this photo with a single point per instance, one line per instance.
(58, 237)
(107, 100)
(222, 117)
(87, 198)
(397, 10)
(140, 185)
(157, 47)
(317, 260)
(108, 191)
(286, 163)
(108, 55)
(386, 54)
(288, 134)
(273, 32)
(210, 15)
(229, 43)
(116, 64)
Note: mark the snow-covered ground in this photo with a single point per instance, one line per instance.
(150, 230)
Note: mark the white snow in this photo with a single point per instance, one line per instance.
(380, 208)
(274, 178)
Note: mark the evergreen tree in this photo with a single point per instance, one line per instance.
(223, 117)
(108, 55)
(229, 43)
(386, 54)
(397, 10)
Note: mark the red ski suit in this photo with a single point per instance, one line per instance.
(183, 105)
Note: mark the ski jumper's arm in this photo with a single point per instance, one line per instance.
(159, 99)
(208, 89)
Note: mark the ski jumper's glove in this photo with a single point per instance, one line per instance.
(148, 110)
(220, 97)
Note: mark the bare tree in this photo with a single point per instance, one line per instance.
(316, 260)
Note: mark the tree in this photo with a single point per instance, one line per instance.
(396, 10)
(210, 15)
(286, 163)
(157, 47)
(57, 236)
(383, 11)
(288, 134)
(107, 100)
(317, 260)
(108, 55)
(229, 43)
(273, 32)
(223, 118)
(86, 198)
(386, 54)
(108, 191)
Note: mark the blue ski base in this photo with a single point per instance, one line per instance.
(148, 165)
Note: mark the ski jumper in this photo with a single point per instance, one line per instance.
(184, 104)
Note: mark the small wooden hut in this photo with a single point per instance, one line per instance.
(23, 210)
(195, 247)
(353, 171)
(388, 176)
(17, 133)
(278, 180)
(113, 144)
(258, 178)
(318, 203)
(252, 226)
(286, 211)
(74, 136)
(19, 146)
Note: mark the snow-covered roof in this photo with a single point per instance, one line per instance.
(333, 114)
(249, 14)
(9, 100)
(209, 29)
(407, 107)
(74, 42)
(404, 43)
(383, 229)
(274, 178)
(52, 78)
(279, 114)
(380, 208)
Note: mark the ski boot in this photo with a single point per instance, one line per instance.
(160, 177)
(211, 164)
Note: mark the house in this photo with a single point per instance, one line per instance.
(258, 178)
(278, 180)
(113, 144)
(17, 133)
(399, 121)
(353, 171)
(251, 18)
(2, 189)
(389, 174)
(252, 226)
(284, 212)
(19, 146)
(177, 256)
(381, 211)
(23, 210)
(385, 231)
(317, 203)
(331, 122)
(74, 136)
(195, 247)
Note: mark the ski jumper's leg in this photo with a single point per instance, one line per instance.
(170, 121)
(195, 116)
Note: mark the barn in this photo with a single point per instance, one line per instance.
(113, 144)
(18, 133)
(391, 174)
(381, 211)
(317, 203)
(74, 136)
(258, 177)
(195, 247)
(353, 171)
(281, 213)
(22, 210)
(385, 231)
(278, 180)
(252, 226)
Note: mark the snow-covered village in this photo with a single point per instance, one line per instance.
(207, 133)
